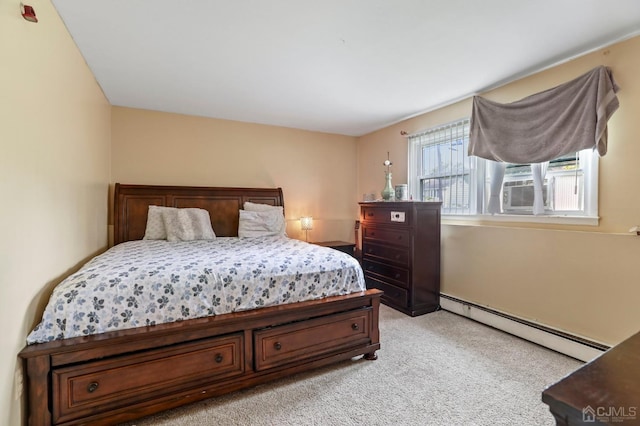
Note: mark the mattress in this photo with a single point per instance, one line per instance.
(142, 283)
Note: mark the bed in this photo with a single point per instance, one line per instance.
(99, 375)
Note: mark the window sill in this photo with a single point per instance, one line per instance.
(516, 218)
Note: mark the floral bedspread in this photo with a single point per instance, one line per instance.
(148, 282)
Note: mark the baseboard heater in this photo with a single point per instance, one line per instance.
(568, 344)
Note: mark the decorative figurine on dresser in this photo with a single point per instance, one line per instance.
(401, 253)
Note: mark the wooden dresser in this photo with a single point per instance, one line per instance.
(401, 253)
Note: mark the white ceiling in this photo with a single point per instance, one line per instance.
(338, 66)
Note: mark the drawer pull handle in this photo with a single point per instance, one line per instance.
(219, 358)
(277, 345)
(373, 234)
(93, 386)
(369, 214)
(354, 326)
(399, 237)
(397, 275)
(397, 256)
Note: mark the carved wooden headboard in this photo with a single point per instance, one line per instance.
(131, 203)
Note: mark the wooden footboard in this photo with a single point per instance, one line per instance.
(119, 376)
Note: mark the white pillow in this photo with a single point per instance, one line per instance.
(188, 224)
(256, 207)
(155, 224)
(261, 224)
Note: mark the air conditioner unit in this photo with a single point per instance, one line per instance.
(518, 195)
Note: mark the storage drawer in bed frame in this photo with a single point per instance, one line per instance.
(298, 341)
(120, 381)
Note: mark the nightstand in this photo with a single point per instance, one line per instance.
(343, 246)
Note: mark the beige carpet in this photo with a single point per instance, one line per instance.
(436, 369)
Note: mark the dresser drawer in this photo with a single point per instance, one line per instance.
(307, 339)
(399, 256)
(392, 294)
(399, 276)
(398, 216)
(399, 237)
(116, 382)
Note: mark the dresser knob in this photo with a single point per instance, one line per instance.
(398, 276)
(354, 326)
(373, 234)
(397, 256)
(93, 386)
(399, 237)
(277, 345)
(219, 358)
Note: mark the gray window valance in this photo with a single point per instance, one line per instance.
(562, 120)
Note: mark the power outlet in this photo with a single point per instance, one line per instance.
(18, 385)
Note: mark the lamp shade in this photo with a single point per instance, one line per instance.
(306, 223)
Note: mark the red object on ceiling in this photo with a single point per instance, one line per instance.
(28, 13)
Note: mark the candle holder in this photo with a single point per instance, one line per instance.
(388, 193)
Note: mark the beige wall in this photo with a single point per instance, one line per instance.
(583, 280)
(54, 175)
(315, 170)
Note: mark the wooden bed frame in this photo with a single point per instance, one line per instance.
(118, 376)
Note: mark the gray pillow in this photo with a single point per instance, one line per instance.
(188, 224)
(155, 229)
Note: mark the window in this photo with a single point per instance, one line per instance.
(440, 169)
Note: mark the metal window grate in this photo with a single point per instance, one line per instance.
(443, 168)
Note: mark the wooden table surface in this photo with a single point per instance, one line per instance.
(604, 391)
